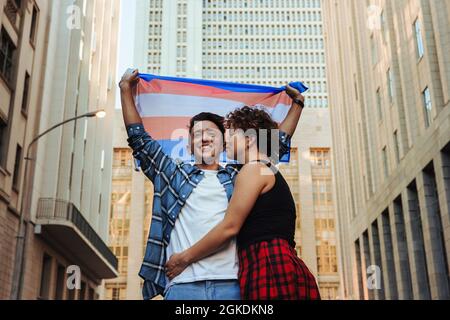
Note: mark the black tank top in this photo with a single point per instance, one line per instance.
(273, 215)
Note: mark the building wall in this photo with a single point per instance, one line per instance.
(74, 163)
(19, 110)
(80, 75)
(310, 177)
(131, 211)
(72, 67)
(391, 147)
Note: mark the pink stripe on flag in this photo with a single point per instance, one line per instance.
(268, 100)
(166, 128)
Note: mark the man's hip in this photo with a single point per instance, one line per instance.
(204, 290)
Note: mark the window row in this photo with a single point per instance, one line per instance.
(267, 44)
(263, 30)
(263, 16)
(264, 57)
(280, 72)
(261, 3)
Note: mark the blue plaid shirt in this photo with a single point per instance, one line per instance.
(173, 183)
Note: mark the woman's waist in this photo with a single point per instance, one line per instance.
(271, 241)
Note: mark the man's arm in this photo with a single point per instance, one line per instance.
(249, 185)
(148, 151)
(127, 84)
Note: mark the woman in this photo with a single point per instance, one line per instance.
(261, 215)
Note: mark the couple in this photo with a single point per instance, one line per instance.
(220, 233)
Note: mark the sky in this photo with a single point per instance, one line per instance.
(126, 38)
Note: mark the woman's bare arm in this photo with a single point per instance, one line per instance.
(249, 185)
(289, 124)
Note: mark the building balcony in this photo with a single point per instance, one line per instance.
(122, 172)
(61, 223)
(321, 171)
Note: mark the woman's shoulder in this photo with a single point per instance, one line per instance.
(257, 170)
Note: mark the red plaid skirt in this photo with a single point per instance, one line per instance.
(272, 271)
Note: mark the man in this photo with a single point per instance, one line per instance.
(189, 201)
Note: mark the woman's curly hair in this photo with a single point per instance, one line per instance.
(248, 118)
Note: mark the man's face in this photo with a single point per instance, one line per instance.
(206, 142)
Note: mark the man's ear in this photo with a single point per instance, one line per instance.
(189, 145)
(188, 149)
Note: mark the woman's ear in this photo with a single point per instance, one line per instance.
(250, 141)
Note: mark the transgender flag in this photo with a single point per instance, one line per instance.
(167, 104)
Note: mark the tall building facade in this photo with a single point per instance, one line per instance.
(22, 55)
(68, 181)
(389, 88)
(130, 216)
(268, 42)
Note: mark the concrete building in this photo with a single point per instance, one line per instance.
(310, 178)
(131, 212)
(68, 185)
(388, 84)
(268, 42)
(22, 55)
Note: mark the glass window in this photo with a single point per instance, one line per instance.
(385, 162)
(379, 105)
(391, 91)
(428, 107)
(34, 19)
(44, 290)
(17, 165)
(397, 147)
(7, 50)
(419, 40)
(26, 85)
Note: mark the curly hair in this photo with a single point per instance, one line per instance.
(248, 118)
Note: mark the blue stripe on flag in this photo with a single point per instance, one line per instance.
(230, 86)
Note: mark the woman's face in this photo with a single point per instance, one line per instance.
(236, 144)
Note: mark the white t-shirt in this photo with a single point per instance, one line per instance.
(204, 209)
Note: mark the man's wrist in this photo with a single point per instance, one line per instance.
(135, 129)
(125, 86)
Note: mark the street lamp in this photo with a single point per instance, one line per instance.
(21, 243)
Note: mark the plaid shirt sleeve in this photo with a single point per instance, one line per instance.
(285, 143)
(149, 153)
(284, 147)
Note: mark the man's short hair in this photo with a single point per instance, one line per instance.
(207, 116)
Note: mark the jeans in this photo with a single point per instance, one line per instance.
(204, 290)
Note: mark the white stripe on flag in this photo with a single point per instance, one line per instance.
(170, 105)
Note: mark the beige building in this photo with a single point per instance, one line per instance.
(389, 89)
(310, 178)
(68, 184)
(130, 216)
(22, 56)
(269, 42)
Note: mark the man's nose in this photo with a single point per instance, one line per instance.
(207, 138)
